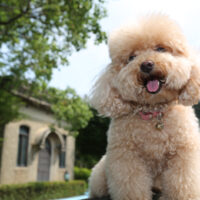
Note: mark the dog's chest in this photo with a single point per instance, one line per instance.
(152, 143)
(138, 135)
(154, 146)
(145, 138)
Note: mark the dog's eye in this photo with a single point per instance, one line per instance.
(160, 49)
(131, 58)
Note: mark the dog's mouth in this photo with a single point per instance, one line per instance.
(153, 84)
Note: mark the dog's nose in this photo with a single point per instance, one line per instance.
(147, 66)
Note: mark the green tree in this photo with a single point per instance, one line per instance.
(37, 36)
(197, 110)
(92, 141)
(67, 106)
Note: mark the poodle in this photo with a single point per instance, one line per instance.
(148, 90)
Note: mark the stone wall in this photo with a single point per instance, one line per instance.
(39, 123)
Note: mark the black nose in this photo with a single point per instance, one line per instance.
(147, 66)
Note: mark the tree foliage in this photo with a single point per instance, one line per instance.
(67, 106)
(92, 141)
(37, 36)
(197, 110)
(9, 104)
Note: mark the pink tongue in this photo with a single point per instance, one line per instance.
(153, 85)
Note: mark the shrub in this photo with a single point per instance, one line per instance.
(81, 173)
(86, 161)
(42, 190)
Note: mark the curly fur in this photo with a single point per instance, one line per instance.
(139, 156)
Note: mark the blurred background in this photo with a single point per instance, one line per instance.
(51, 52)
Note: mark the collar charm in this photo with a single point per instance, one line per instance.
(157, 115)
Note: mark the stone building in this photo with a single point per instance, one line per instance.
(34, 147)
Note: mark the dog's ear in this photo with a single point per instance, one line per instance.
(106, 99)
(190, 94)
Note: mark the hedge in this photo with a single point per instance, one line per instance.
(81, 173)
(42, 190)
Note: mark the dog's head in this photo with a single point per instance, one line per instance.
(151, 64)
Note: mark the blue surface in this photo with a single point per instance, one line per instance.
(85, 196)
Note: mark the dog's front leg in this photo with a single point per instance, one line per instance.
(97, 181)
(127, 176)
(181, 180)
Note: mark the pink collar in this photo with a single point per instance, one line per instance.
(150, 115)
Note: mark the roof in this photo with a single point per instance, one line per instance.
(24, 93)
(33, 101)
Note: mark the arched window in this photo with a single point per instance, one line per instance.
(23, 146)
(62, 155)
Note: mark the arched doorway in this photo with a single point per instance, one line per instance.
(44, 162)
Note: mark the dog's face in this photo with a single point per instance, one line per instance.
(152, 75)
(151, 64)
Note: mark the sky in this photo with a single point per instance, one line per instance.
(86, 64)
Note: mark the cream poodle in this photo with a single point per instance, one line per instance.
(148, 90)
